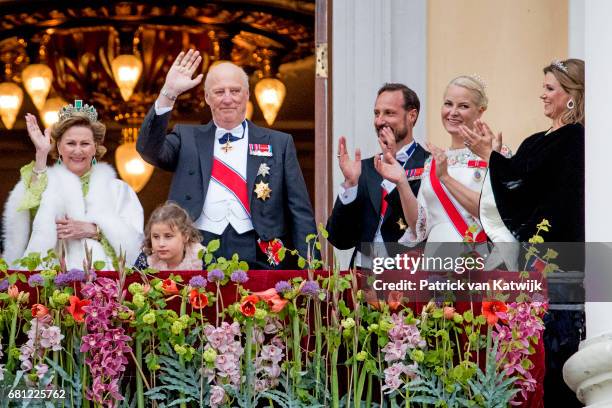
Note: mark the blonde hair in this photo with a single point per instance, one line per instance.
(78, 119)
(473, 84)
(174, 216)
(572, 81)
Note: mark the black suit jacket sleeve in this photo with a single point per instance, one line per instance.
(154, 145)
(298, 202)
(345, 224)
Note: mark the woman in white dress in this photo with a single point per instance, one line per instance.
(446, 208)
(77, 201)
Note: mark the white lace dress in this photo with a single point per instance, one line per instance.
(433, 223)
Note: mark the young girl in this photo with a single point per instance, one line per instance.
(171, 241)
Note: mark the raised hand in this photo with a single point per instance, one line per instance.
(386, 139)
(441, 161)
(41, 141)
(481, 140)
(388, 167)
(351, 169)
(179, 78)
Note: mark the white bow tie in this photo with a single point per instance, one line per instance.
(238, 131)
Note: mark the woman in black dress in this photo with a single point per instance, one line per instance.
(545, 180)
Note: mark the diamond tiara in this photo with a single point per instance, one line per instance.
(78, 107)
(478, 79)
(559, 65)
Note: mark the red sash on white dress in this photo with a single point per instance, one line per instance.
(453, 213)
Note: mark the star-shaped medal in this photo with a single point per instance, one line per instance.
(264, 170)
(400, 223)
(262, 190)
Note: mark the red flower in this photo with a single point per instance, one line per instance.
(39, 310)
(76, 308)
(168, 286)
(198, 300)
(247, 307)
(490, 310)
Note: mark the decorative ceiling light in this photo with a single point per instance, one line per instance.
(50, 112)
(132, 169)
(11, 97)
(249, 111)
(127, 69)
(37, 81)
(270, 94)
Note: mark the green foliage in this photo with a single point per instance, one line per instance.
(175, 380)
(492, 387)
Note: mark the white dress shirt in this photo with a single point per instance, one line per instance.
(221, 207)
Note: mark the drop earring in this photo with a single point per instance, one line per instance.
(570, 104)
(94, 161)
(59, 159)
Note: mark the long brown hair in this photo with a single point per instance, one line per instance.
(572, 81)
(174, 216)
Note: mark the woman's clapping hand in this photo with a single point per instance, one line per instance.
(481, 140)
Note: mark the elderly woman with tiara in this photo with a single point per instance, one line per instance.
(76, 202)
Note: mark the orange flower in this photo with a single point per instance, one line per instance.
(198, 300)
(395, 299)
(39, 310)
(449, 312)
(490, 310)
(247, 307)
(372, 299)
(275, 302)
(76, 308)
(13, 292)
(266, 294)
(169, 287)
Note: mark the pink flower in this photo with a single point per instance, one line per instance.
(395, 350)
(217, 395)
(51, 337)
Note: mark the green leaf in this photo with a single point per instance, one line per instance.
(12, 279)
(213, 245)
(301, 262)
(99, 265)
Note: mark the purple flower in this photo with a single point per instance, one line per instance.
(198, 281)
(4, 284)
(36, 280)
(310, 288)
(216, 275)
(239, 276)
(73, 275)
(282, 287)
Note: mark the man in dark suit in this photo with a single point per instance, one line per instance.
(368, 208)
(239, 182)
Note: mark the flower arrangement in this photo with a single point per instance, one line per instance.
(316, 339)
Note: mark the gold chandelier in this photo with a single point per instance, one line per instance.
(132, 168)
